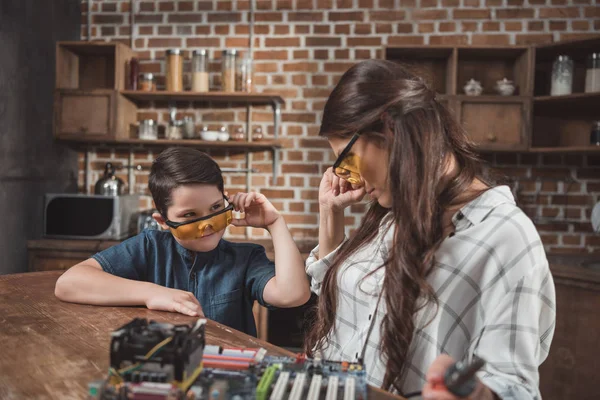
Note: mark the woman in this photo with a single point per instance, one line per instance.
(443, 267)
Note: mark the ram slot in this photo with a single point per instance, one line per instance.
(262, 389)
(280, 386)
(349, 389)
(315, 387)
(298, 387)
(332, 388)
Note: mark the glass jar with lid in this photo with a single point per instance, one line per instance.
(175, 130)
(148, 129)
(562, 76)
(592, 73)
(257, 134)
(200, 71)
(228, 63)
(174, 77)
(146, 82)
(238, 135)
(243, 74)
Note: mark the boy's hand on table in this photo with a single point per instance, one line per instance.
(174, 300)
(258, 210)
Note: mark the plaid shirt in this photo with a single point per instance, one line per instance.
(494, 289)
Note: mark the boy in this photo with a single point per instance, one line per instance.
(188, 268)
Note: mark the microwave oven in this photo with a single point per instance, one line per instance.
(81, 216)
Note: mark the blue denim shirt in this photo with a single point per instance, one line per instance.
(226, 280)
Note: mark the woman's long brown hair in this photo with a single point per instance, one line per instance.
(388, 104)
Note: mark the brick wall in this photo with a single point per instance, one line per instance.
(301, 49)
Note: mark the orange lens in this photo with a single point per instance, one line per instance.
(197, 230)
(348, 169)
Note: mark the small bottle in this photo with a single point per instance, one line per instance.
(146, 82)
(200, 71)
(592, 73)
(257, 134)
(238, 135)
(595, 134)
(228, 63)
(188, 127)
(562, 76)
(174, 80)
(134, 71)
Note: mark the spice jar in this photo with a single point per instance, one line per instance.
(243, 74)
(148, 130)
(592, 73)
(228, 61)
(174, 130)
(174, 80)
(257, 134)
(200, 71)
(188, 127)
(146, 82)
(562, 76)
(238, 135)
(595, 134)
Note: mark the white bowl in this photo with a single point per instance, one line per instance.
(209, 136)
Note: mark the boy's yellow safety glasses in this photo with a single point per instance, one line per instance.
(195, 228)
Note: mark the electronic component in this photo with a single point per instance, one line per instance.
(153, 361)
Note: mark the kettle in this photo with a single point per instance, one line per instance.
(109, 184)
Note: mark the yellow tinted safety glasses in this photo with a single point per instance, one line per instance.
(195, 229)
(346, 166)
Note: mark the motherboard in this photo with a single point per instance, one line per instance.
(155, 361)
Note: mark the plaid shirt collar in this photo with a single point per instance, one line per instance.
(474, 212)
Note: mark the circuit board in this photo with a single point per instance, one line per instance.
(147, 365)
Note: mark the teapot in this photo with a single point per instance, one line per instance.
(109, 184)
(505, 87)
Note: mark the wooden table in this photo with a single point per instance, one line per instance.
(51, 349)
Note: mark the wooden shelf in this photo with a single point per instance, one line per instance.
(240, 147)
(566, 149)
(490, 98)
(222, 97)
(579, 98)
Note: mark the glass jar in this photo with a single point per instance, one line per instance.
(174, 78)
(243, 74)
(257, 134)
(592, 73)
(238, 135)
(200, 71)
(223, 135)
(595, 134)
(148, 130)
(188, 127)
(562, 76)
(174, 130)
(228, 63)
(146, 82)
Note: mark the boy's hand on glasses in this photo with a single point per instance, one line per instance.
(174, 300)
(258, 210)
(336, 194)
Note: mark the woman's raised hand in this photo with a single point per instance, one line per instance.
(336, 194)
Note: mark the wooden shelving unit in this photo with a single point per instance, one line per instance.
(93, 109)
(528, 121)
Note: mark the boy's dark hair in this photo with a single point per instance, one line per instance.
(178, 166)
